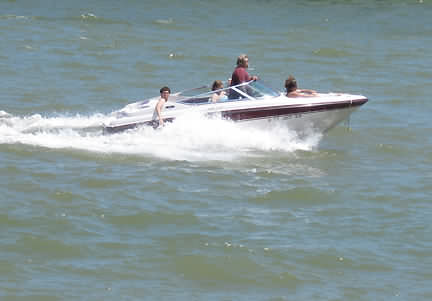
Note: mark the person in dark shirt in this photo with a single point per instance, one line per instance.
(240, 75)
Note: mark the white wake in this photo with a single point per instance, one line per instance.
(191, 137)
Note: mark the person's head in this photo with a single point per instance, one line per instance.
(243, 61)
(217, 84)
(165, 92)
(291, 84)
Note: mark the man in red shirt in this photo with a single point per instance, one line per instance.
(240, 75)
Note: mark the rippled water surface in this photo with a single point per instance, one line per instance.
(205, 209)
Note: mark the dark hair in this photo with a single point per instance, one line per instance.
(291, 84)
(163, 89)
(217, 84)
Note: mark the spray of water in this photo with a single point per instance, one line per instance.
(191, 137)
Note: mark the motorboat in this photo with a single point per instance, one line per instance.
(252, 103)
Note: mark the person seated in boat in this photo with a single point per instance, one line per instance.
(157, 115)
(240, 75)
(219, 95)
(293, 91)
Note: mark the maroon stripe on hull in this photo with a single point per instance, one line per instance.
(268, 112)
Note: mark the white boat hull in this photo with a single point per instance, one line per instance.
(319, 113)
(320, 121)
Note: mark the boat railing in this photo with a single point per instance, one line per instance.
(242, 91)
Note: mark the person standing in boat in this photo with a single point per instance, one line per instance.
(240, 75)
(292, 91)
(157, 115)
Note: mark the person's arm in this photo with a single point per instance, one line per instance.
(215, 97)
(307, 91)
(293, 94)
(301, 93)
(249, 78)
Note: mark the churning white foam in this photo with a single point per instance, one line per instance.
(191, 137)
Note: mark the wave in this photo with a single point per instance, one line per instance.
(92, 18)
(164, 21)
(191, 137)
(85, 18)
(15, 17)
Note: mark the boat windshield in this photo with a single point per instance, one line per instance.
(243, 91)
(263, 89)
